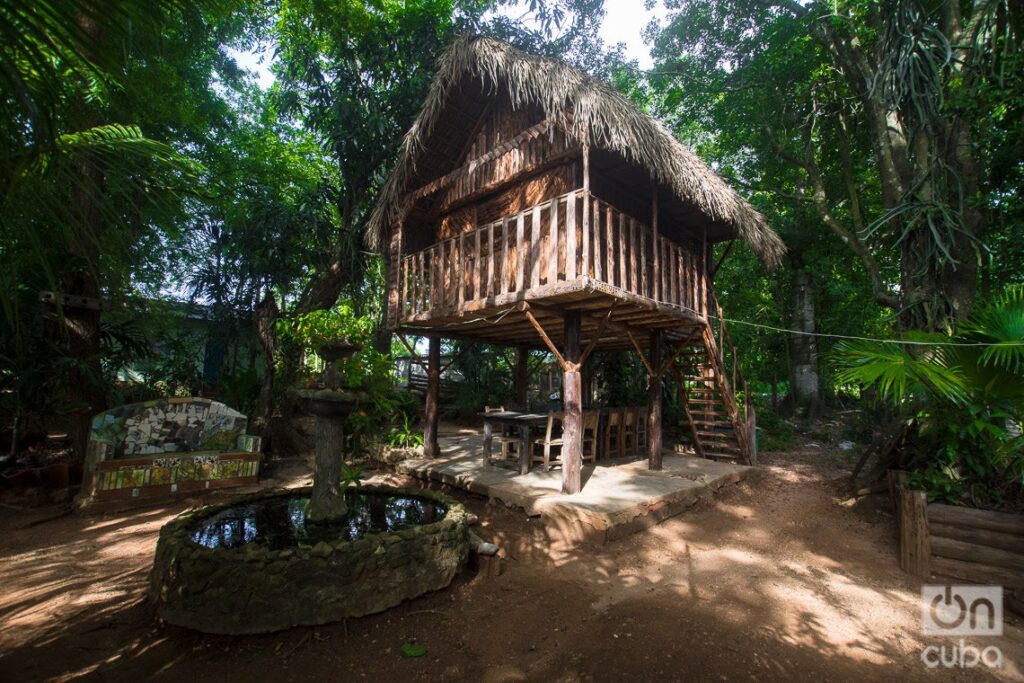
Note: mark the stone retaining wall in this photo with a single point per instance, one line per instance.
(254, 589)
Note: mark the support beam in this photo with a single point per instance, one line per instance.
(654, 401)
(430, 447)
(572, 398)
(525, 308)
(413, 356)
(522, 376)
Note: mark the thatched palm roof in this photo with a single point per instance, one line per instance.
(599, 114)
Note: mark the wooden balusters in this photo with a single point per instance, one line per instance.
(461, 269)
(622, 249)
(676, 268)
(585, 236)
(609, 224)
(597, 241)
(478, 262)
(504, 257)
(553, 244)
(520, 261)
(525, 251)
(535, 252)
(489, 289)
(420, 304)
(643, 262)
(570, 237)
(666, 266)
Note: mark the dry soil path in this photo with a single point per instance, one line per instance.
(772, 580)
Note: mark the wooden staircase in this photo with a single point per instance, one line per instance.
(721, 430)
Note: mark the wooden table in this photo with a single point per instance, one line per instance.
(523, 421)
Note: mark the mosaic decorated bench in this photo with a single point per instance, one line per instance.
(166, 447)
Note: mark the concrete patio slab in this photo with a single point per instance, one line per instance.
(617, 499)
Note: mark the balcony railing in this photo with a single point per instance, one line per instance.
(534, 250)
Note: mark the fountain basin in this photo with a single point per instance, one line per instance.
(254, 566)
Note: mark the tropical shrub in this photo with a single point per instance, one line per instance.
(962, 396)
(368, 370)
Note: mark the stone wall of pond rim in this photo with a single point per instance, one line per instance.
(253, 589)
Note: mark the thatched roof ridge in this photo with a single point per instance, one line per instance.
(599, 114)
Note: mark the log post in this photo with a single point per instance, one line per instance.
(897, 481)
(522, 376)
(915, 544)
(430, 447)
(654, 400)
(572, 424)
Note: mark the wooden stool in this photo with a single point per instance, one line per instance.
(548, 450)
(590, 435)
(507, 439)
(629, 431)
(613, 434)
(641, 430)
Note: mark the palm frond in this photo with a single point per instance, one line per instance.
(896, 373)
(46, 43)
(1000, 324)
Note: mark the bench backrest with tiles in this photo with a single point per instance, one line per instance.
(167, 447)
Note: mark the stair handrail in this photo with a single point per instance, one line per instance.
(749, 415)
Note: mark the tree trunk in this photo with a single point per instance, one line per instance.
(266, 317)
(81, 328)
(803, 348)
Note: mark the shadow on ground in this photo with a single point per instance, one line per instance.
(771, 579)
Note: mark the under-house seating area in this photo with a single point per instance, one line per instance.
(534, 207)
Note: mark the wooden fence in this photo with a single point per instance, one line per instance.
(978, 546)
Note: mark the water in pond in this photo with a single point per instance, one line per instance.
(280, 522)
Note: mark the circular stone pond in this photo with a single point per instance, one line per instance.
(254, 565)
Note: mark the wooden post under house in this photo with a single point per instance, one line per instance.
(654, 400)
(572, 406)
(522, 376)
(430, 447)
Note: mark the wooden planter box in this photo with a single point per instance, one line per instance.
(973, 545)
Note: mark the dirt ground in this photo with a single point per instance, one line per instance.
(773, 579)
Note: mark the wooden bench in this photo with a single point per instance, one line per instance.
(163, 448)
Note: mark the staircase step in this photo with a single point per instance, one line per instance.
(716, 449)
(718, 436)
(721, 456)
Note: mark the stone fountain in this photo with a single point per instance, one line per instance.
(308, 556)
(331, 405)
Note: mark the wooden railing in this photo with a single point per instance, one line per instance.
(735, 385)
(561, 240)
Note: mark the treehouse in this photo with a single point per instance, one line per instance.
(535, 207)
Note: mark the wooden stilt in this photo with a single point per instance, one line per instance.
(430, 447)
(572, 397)
(522, 376)
(654, 400)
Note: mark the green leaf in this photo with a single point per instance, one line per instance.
(412, 650)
